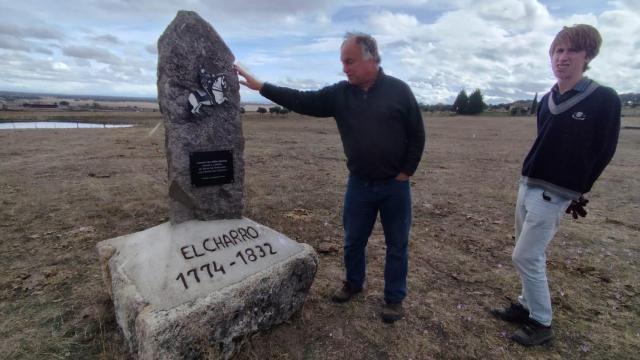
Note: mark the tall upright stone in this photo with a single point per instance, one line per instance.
(199, 98)
(192, 287)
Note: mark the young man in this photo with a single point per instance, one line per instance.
(578, 124)
(383, 136)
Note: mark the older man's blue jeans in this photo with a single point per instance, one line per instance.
(363, 200)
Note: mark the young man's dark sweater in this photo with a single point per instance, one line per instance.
(381, 129)
(574, 145)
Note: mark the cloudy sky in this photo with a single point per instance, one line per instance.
(108, 47)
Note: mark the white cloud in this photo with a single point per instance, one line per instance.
(92, 53)
(106, 38)
(396, 25)
(437, 46)
(512, 15)
(21, 31)
(302, 84)
(13, 44)
(60, 66)
(260, 58)
(152, 49)
(320, 45)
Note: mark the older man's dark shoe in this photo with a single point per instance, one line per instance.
(532, 333)
(345, 293)
(515, 313)
(392, 312)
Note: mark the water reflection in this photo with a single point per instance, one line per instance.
(57, 125)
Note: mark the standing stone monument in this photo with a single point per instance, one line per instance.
(191, 287)
(199, 97)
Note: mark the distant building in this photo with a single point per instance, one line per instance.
(40, 106)
(523, 104)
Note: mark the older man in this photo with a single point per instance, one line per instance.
(383, 136)
(578, 126)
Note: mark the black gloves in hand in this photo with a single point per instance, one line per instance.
(577, 207)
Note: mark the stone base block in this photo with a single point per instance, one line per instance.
(191, 290)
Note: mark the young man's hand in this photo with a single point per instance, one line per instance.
(576, 208)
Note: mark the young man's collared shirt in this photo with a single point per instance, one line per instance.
(579, 87)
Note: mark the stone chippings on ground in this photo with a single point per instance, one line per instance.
(52, 212)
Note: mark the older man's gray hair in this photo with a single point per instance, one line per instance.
(367, 43)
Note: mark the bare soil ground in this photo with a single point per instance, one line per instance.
(62, 191)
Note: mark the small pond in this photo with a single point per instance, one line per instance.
(57, 125)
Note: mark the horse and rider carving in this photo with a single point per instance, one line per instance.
(212, 92)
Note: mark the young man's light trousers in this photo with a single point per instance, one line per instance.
(538, 214)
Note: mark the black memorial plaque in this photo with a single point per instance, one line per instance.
(211, 168)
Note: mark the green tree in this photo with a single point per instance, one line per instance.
(274, 110)
(534, 105)
(261, 111)
(284, 111)
(462, 100)
(476, 104)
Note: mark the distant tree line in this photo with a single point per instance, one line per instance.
(464, 104)
(472, 104)
(274, 110)
(279, 110)
(469, 105)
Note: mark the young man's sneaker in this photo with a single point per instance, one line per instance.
(532, 333)
(392, 312)
(345, 293)
(515, 313)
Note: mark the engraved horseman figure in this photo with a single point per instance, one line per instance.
(212, 92)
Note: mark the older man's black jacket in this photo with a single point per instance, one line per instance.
(381, 129)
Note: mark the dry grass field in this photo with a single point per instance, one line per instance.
(62, 191)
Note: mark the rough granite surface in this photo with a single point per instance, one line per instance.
(188, 45)
(204, 325)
